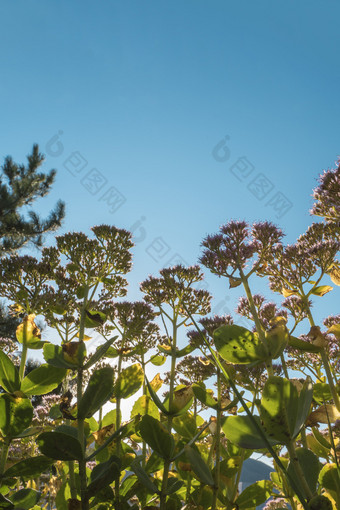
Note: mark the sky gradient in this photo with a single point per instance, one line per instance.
(171, 118)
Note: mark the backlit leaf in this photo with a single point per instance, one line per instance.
(9, 375)
(238, 345)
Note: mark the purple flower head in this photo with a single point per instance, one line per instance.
(231, 249)
(327, 196)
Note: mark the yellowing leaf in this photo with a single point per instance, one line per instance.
(335, 330)
(317, 337)
(28, 331)
(335, 275)
(287, 292)
(73, 352)
(234, 282)
(182, 396)
(85, 337)
(322, 290)
(156, 383)
(320, 415)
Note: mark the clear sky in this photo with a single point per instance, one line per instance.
(172, 117)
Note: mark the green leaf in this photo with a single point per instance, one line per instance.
(279, 408)
(97, 393)
(100, 353)
(301, 345)
(25, 499)
(182, 400)
(143, 477)
(42, 380)
(9, 375)
(320, 502)
(304, 403)
(54, 356)
(129, 381)
(174, 485)
(277, 339)
(157, 437)
(316, 447)
(241, 431)
(158, 360)
(16, 413)
(103, 475)
(185, 425)
(238, 345)
(329, 478)
(112, 353)
(321, 438)
(154, 463)
(254, 495)
(322, 393)
(5, 503)
(59, 446)
(145, 405)
(198, 466)
(188, 349)
(310, 465)
(156, 399)
(39, 344)
(322, 290)
(94, 318)
(110, 418)
(229, 467)
(205, 396)
(30, 468)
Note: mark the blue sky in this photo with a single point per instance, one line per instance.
(132, 102)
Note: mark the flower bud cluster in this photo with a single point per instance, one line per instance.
(237, 244)
(174, 287)
(327, 196)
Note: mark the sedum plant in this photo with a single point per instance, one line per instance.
(229, 391)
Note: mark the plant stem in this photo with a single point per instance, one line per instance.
(3, 458)
(23, 352)
(171, 396)
(258, 325)
(81, 435)
(72, 481)
(298, 470)
(117, 480)
(82, 463)
(217, 440)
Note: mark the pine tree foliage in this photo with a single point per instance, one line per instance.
(20, 185)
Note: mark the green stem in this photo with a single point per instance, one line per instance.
(188, 490)
(118, 446)
(3, 458)
(238, 476)
(80, 421)
(145, 394)
(258, 325)
(284, 366)
(81, 437)
(217, 438)
(100, 418)
(23, 352)
(171, 397)
(72, 481)
(298, 470)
